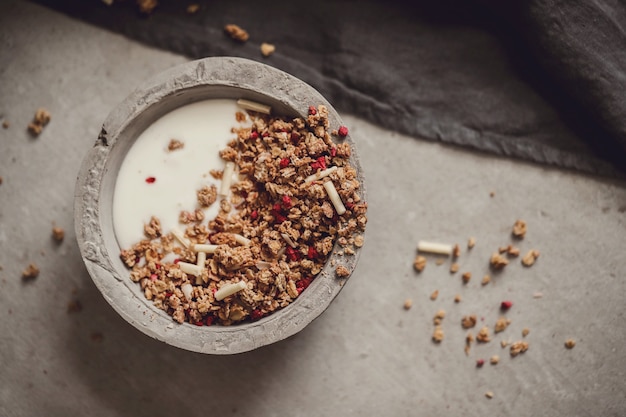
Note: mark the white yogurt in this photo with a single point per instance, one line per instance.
(205, 128)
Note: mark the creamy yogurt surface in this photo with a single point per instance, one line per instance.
(204, 128)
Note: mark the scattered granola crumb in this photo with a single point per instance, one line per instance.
(58, 234)
(439, 316)
(530, 258)
(31, 272)
(5, 124)
(74, 306)
(570, 343)
(466, 277)
(504, 343)
(434, 295)
(518, 347)
(498, 261)
(512, 251)
(489, 394)
(525, 331)
(207, 195)
(174, 145)
(342, 271)
(267, 49)
(439, 261)
(147, 6)
(486, 280)
(456, 251)
(537, 294)
(483, 335)
(469, 339)
(494, 360)
(492, 194)
(471, 242)
(438, 334)
(420, 263)
(408, 303)
(193, 8)
(468, 321)
(40, 120)
(236, 33)
(454, 268)
(501, 324)
(519, 229)
(457, 298)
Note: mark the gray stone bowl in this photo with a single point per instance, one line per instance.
(210, 78)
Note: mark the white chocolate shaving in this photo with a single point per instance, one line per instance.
(263, 265)
(289, 240)
(227, 178)
(204, 248)
(188, 268)
(229, 289)
(242, 240)
(181, 238)
(254, 106)
(431, 247)
(334, 197)
(187, 289)
(201, 258)
(320, 174)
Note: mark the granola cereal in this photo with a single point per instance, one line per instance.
(147, 6)
(489, 394)
(439, 316)
(471, 242)
(267, 49)
(434, 295)
(494, 360)
(5, 124)
(457, 298)
(519, 229)
(274, 231)
(468, 321)
(501, 324)
(420, 263)
(467, 276)
(525, 331)
(175, 144)
(408, 303)
(454, 268)
(40, 120)
(438, 334)
(31, 272)
(193, 8)
(518, 347)
(483, 335)
(530, 258)
(570, 343)
(486, 280)
(58, 234)
(498, 261)
(236, 33)
(456, 251)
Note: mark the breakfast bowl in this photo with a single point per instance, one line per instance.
(222, 207)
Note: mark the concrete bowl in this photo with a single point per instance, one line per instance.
(209, 78)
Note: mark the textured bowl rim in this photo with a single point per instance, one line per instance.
(216, 77)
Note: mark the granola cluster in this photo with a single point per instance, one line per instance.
(276, 226)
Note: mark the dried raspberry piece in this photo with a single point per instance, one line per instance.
(333, 151)
(480, 363)
(342, 131)
(292, 254)
(265, 134)
(254, 215)
(284, 163)
(256, 314)
(254, 135)
(505, 305)
(209, 320)
(312, 110)
(199, 323)
(320, 163)
(295, 137)
(286, 201)
(312, 253)
(150, 180)
(153, 277)
(303, 284)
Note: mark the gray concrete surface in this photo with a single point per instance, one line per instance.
(365, 355)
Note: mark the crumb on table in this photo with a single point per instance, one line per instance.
(267, 49)
(236, 32)
(30, 272)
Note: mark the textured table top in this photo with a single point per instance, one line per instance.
(366, 355)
